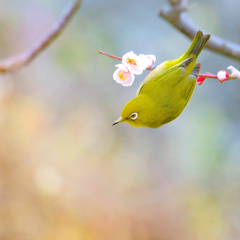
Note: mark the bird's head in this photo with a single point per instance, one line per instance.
(138, 112)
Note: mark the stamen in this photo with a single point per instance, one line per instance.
(122, 75)
(131, 61)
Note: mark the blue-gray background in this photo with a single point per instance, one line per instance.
(65, 173)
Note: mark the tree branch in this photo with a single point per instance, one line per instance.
(176, 13)
(19, 60)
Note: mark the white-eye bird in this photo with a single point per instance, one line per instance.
(165, 92)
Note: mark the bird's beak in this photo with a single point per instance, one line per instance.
(118, 121)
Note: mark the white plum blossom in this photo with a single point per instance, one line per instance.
(123, 76)
(134, 63)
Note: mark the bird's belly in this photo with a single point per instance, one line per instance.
(169, 112)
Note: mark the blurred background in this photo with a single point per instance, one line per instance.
(66, 174)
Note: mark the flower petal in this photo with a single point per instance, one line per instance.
(122, 67)
(136, 70)
(128, 55)
(147, 60)
(200, 80)
(133, 63)
(153, 57)
(234, 72)
(123, 77)
(129, 80)
(222, 75)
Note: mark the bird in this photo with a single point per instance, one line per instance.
(166, 90)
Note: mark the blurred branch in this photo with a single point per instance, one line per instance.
(176, 13)
(19, 60)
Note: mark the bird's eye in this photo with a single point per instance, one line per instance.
(134, 116)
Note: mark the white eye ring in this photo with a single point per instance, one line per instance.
(134, 116)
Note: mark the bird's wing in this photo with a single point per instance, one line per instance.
(171, 76)
(190, 83)
(153, 73)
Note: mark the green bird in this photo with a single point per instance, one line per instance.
(165, 92)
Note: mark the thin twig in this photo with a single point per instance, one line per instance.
(176, 13)
(19, 60)
(118, 58)
(208, 75)
(110, 55)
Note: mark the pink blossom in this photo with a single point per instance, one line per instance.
(134, 63)
(123, 76)
(200, 80)
(147, 60)
(222, 76)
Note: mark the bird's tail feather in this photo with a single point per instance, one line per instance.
(198, 44)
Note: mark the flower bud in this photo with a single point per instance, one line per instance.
(200, 80)
(222, 76)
